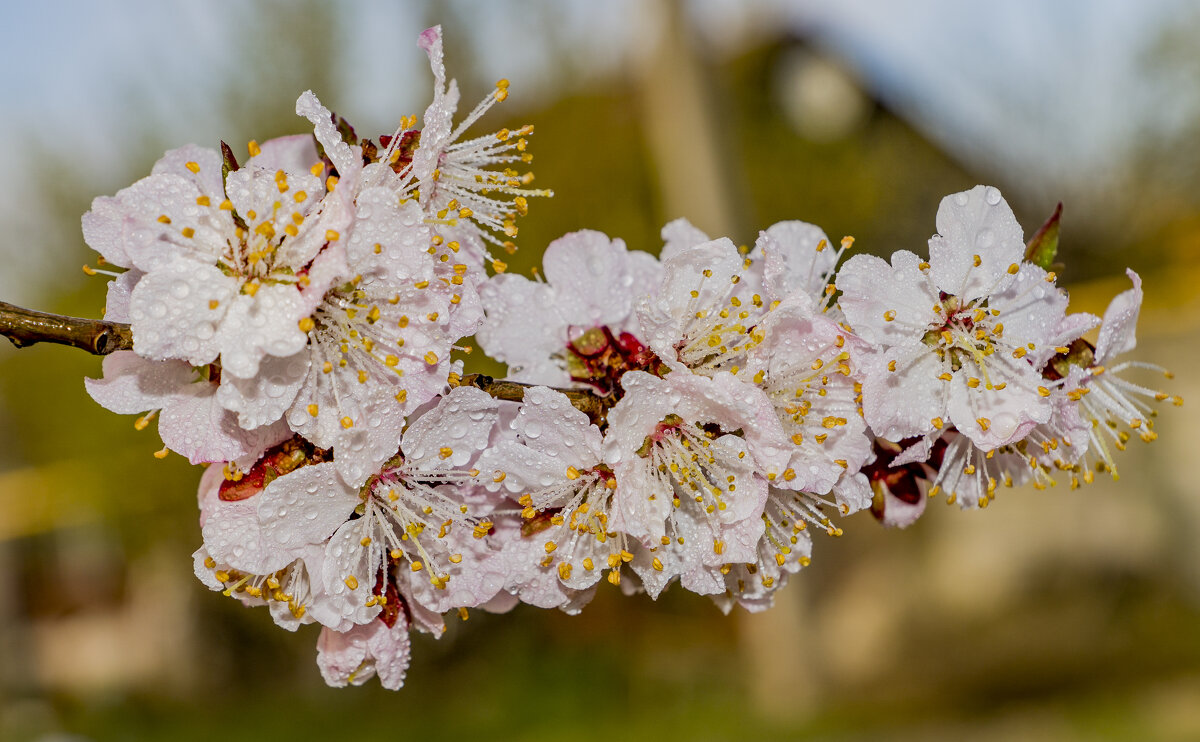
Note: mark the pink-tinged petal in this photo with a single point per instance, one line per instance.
(353, 657)
(917, 452)
(175, 311)
(798, 259)
(887, 304)
(303, 507)
(120, 293)
(522, 328)
(191, 422)
(390, 243)
(202, 572)
(548, 422)
(523, 468)
(106, 230)
(295, 153)
(347, 159)
(262, 399)
(698, 277)
(975, 223)
(590, 278)
(853, 491)
(129, 229)
(350, 571)
(233, 535)
(646, 273)
(1033, 310)
(362, 423)
(1073, 327)
(264, 324)
(437, 124)
(998, 416)
(391, 651)
(902, 403)
(133, 384)
(209, 490)
(206, 161)
(423, 619)
(522, 558)
(450, 435)
(198, 428)
(465, 317)
(680, 235)
(900, 514)
(475, 580)
(1118, 331)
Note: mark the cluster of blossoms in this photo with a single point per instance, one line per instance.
(293, 319)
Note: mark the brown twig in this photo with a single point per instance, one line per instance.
(593, 405)
(25, 327)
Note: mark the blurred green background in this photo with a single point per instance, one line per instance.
(1053, 615)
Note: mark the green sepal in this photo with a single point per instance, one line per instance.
(1043, 248)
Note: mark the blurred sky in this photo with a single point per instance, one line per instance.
(1051, 96)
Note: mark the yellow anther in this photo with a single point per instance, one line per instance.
(347, 423)
(307, 324)
(445, 452)
(253, 148)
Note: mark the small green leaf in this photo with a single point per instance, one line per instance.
(1043, 248)
(229, 161)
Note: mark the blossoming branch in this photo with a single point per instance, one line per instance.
(695, 417)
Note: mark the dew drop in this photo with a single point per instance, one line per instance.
(992, 196)
(960, 199)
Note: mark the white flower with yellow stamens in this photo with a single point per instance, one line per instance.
(230, 266)
(551, 462)
(403, 515)
(468, 186)
(702, 316)
(692, 457)
(959, 339)
(804, 366)
(579, 324)
(787, 258)
(1112, 408)
(380, 344)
